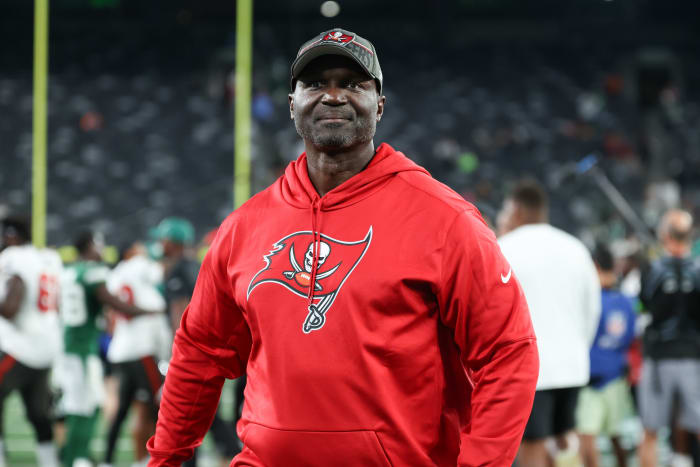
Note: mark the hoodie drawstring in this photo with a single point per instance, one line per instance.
(315, 209)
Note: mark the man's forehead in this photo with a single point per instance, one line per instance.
(332, 62)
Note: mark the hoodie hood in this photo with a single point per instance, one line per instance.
(298, 191)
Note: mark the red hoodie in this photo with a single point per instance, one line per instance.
(414, 347)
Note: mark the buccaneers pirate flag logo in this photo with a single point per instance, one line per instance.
(290, 263)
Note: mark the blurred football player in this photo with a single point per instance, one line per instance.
(79, 370)
(30, 334)
(670, 293)
(137, 345)
(562, 289)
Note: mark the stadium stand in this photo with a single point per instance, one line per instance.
(134, 135)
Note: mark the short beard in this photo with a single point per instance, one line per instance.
(362, 133)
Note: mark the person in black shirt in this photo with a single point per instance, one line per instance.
(671, 294)
(181, 272)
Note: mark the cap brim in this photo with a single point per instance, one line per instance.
(318, 51)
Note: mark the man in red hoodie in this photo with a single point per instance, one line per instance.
(369, 305)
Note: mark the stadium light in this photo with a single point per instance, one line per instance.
(329, 9)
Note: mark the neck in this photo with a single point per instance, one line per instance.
(535, 218)
(678, 252)
(677, 249)
(608, 279)
(329, 169)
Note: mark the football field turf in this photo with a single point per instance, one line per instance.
(20, 443)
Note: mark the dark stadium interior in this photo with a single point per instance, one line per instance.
(481, 93)
(598, 100)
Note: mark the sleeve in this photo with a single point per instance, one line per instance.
(592, 300)
(8, 265)
(482, 302)
(4, 276)
(94, 277)
(212, 343)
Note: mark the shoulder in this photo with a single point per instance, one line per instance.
(576, 245)
(151, 271)
(12, 253)
(116, 274)
(51, 257)
(693, 265)
(14, 259)
(457, 215)
(94, 273)
(533, 234)
(618, 298)
(132, 267)
(425, 188)
(657, 268)
(532, 240)
(6, 255)
(566, 242)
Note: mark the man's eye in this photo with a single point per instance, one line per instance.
(313, 84)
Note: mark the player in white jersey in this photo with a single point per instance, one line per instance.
(138, 343)
(30, 335)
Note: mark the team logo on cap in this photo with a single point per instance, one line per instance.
(287, 266)
(337, 36)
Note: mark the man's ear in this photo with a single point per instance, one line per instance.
(381, 100)
(291, 106)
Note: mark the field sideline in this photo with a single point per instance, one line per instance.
(20, 442)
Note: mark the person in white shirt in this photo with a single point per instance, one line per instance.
(30, 334)
(563, 293)
(138, 344)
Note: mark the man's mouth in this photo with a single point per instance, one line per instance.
(332, 118)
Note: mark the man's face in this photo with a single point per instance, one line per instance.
(11, 240)
(335, 104)
(171, 248)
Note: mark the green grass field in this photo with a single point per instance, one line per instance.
(20, 438)
(20, 442)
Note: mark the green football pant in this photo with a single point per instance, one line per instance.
(79, 432)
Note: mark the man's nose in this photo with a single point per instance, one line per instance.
(334, 95)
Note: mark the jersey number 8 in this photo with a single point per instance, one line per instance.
(48, 293)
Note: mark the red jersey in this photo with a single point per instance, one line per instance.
(378, 325)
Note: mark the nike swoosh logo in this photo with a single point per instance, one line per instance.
(506, 278)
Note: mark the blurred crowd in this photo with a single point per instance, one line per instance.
(158, 134)
(618, 331)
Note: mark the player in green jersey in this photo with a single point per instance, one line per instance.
(79, 371)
